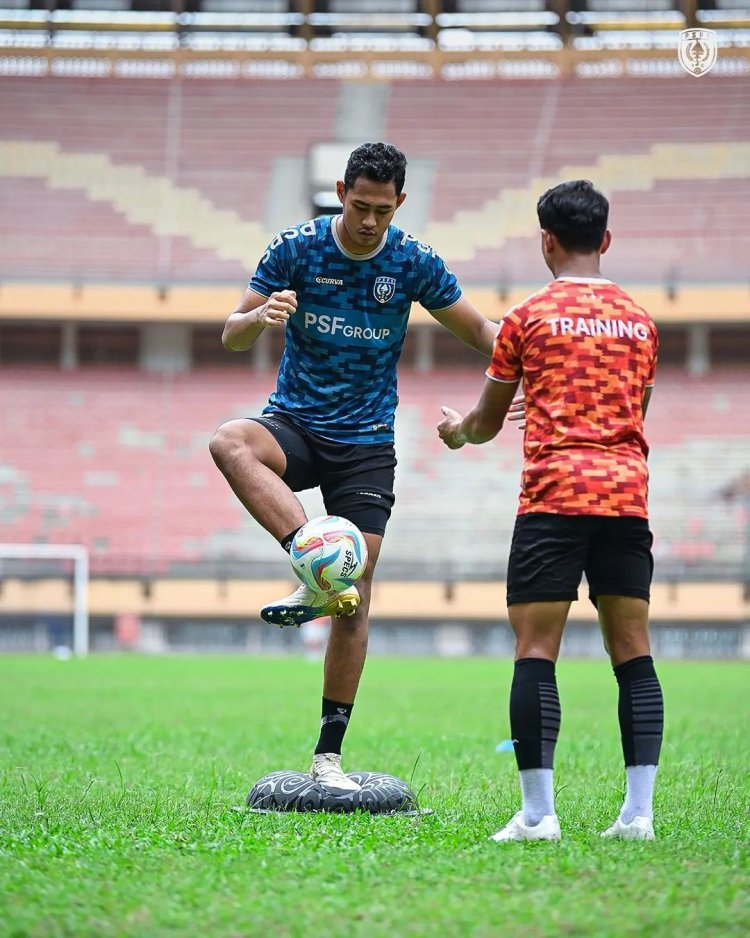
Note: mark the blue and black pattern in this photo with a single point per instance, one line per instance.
(337, 375)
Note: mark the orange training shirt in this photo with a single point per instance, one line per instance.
(586, 352)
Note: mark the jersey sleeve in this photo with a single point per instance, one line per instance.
(505, 365)
(437, 287)
(274, 270)
(655, 357)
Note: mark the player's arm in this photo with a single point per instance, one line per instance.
(465, 321)
(484, 421)
(254, 313)
(647, 397)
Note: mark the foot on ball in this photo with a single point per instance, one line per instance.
(326, 771)
(305, 604)
(547, 829)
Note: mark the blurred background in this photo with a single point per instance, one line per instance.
(150, 150)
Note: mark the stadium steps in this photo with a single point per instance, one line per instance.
(480, 152)
(133, 478)
(206, 185)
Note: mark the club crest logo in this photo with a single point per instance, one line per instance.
(384, 289)
(698, 50)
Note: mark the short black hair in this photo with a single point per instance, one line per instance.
(576, 214)
(380, 162)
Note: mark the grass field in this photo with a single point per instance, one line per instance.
(121, 778)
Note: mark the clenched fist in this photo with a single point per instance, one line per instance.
(278, 308)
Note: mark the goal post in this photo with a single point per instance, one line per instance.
(80, 557)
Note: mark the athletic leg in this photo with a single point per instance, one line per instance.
(535, 703)
(347, 645)
(265, 463)
(253, 462)
(344, 662)
(345, 659)
(640, 710)
(357, 483)
(623, 564)
(546, 563)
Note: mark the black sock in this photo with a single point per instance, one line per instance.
(641, 711)
(534, 713)
(286, 542)
(333, 724)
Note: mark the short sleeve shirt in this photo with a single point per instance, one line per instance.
(337, 375)
(586, 353)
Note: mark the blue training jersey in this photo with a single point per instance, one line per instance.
(337, 376)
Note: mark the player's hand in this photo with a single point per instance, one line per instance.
(449, 428)
(278, 308)
(517, 411)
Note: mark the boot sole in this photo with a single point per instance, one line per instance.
(294, 616)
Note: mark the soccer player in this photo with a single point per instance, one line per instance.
(587, 354)
(341, 287)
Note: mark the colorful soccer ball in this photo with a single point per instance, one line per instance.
(329, 553)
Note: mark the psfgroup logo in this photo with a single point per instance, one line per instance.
(698, 50)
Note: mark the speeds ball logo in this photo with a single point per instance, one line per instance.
(349, 564)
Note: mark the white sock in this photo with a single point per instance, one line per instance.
(538, 793)
(639, 794)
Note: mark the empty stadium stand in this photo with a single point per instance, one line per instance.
(118, 460)
(143, 180)
(170, 181)
(498, 144)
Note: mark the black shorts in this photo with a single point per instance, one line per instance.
(550, 553)
(355, 479)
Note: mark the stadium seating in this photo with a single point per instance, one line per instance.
(504, 136)
(148, 180)
(123, 178)
(118, 460)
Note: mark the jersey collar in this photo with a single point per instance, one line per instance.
(584, 279)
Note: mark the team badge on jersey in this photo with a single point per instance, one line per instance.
(384, 289)
(698, 50)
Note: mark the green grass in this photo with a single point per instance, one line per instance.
(120, 777)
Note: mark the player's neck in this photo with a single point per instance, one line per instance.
(578, 268)
(346, 241)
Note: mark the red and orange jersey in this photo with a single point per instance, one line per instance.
(586, 353)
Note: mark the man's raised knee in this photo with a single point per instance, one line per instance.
(226, 441)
